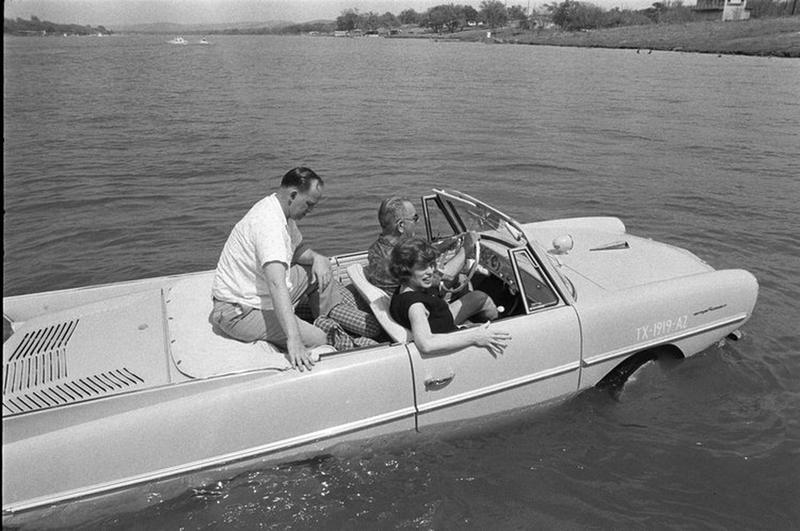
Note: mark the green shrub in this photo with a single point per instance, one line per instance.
(625, 17)
(571, 15)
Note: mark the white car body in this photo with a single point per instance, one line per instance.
(112, 386)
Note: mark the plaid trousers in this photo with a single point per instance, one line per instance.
(353, 314)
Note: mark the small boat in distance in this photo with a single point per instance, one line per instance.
(203, 41)
(178, 40)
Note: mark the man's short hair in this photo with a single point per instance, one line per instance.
(391, 210)
(301, 178)
(409, 254)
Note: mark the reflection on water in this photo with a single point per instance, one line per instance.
(128, 157)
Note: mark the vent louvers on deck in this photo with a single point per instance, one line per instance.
(62, 393)
(35, 375)
(39, 358)
(34, 370)
(44, 340)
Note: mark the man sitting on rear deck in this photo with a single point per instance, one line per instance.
(265, 270)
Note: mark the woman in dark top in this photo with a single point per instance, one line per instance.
(430, 318)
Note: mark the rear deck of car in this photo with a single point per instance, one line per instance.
(104, 341)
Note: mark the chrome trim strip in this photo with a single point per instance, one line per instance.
(509, 384)
(594, 360)
(202, 464)
(496, 388)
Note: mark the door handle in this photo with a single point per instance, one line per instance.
(435, 383)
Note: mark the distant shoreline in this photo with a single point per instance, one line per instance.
(774, 37)
(770, 37)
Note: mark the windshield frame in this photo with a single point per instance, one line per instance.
(449, 202)
(510, 232)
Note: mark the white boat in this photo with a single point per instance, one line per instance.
(124, 384)
(178, 40)
(203, 41)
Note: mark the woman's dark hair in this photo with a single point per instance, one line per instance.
(409, 254)
(301, 178)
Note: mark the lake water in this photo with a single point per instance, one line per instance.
(126, 157)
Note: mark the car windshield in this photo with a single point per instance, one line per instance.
(473, 215)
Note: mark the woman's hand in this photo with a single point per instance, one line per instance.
(495, 341)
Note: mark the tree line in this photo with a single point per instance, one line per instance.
(34, 26)
(576, 15)
(567, 15)
(441, 18)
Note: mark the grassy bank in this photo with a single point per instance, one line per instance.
(766, 36)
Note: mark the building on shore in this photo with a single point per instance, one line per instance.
(722, 9)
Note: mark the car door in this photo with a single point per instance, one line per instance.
(541, 362)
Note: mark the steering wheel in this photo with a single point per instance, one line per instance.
(455, 253)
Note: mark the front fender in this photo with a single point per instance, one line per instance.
(691, 313)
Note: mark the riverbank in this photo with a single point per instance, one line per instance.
(778, 37)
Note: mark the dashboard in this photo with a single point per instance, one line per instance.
(494, 257)
(538, 293)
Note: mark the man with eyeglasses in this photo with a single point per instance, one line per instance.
(398, 219)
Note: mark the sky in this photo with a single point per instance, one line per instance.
(111, 13)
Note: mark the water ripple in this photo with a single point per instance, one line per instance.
(127, 158)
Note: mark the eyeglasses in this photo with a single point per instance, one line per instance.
(414, 218)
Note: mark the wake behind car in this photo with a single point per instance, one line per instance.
(112, 386)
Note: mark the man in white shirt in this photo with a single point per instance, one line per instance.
(265, 269)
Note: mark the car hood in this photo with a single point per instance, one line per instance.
(604, 254)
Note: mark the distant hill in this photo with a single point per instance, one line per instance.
(178, 29)
(34, 26)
